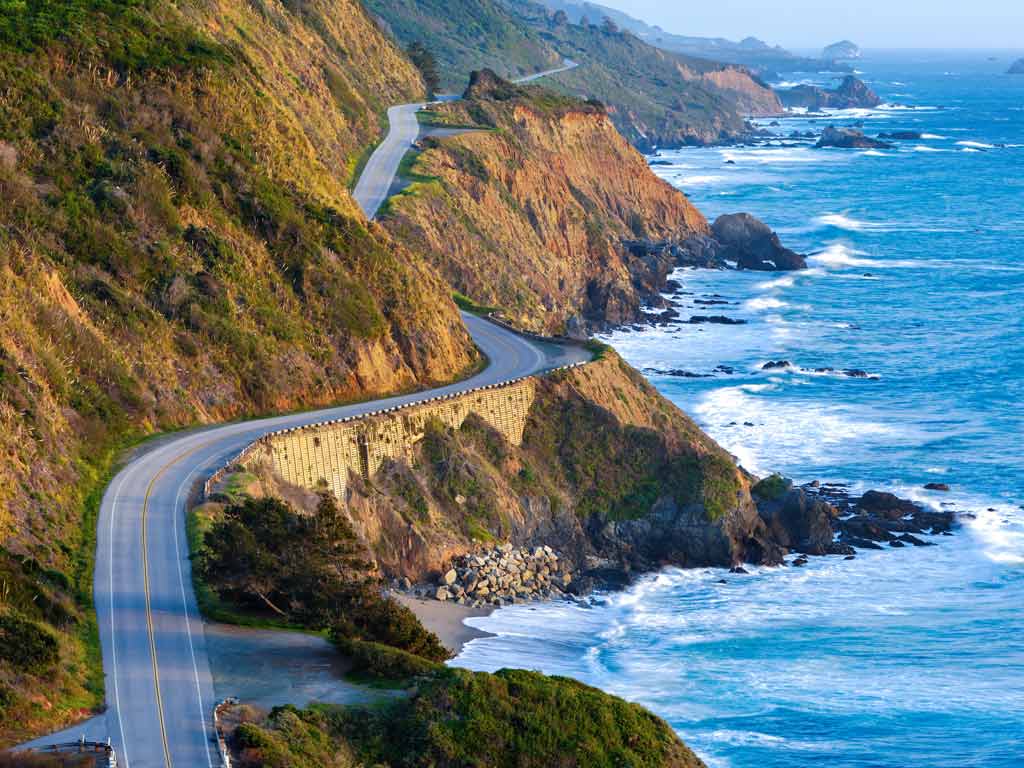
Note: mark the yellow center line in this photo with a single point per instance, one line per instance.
(149, 611)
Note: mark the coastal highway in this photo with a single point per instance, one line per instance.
(403, 127)
(159, 689)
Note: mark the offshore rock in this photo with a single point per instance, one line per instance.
(753, 245)
(849, 138)
(851, 94)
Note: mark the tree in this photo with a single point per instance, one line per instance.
(560, 19)
(425, 62)
(609, 27)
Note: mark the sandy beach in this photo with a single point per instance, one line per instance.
(446, 620)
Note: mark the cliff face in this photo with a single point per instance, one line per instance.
(609, 473)
(528, 214)
(178, 245)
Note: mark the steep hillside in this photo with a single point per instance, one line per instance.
(466, 35)
(655, 98)
(178, 245)
(528, 213)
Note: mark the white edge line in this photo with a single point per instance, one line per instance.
(188, 617)
(113, 634)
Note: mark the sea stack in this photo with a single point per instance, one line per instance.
(1017, 68)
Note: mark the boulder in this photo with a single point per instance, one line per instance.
(752, 244)
(936, 487)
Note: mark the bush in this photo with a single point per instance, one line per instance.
(26, 645)
(772, 488)
(382, 661)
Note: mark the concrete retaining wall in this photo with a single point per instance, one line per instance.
(323, 456)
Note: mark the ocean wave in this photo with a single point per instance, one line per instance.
(932, 136)
(975, 144)
(838, 255)
(925, 148)
(764, 302)
(699, 179)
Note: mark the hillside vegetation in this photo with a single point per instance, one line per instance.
(460, 719)
(655, 97)
(178, 245)
(528, 213)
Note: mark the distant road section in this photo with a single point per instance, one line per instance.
(375, 182)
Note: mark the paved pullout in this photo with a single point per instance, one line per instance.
(158, 683)
(377, 177)
(159, 687)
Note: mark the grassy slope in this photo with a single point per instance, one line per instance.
(177, 244)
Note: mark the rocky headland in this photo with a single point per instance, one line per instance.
(851, 93)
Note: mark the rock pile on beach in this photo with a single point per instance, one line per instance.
(504, 576)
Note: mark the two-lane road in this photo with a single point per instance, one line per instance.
(159, 688)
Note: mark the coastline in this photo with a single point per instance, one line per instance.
(446, 620)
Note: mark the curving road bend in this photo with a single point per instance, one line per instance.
(159, 687)
(374, 183)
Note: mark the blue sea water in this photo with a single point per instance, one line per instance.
(911, 657)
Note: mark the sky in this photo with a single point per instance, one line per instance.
(807, 24)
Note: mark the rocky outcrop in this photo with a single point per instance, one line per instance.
(844, 50)
(852, 93)
(752, 244)
(849, 138)
(1017, 68)
(824, 519)
(736, 241)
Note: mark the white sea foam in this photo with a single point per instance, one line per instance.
(925, 148)
(975, 144)
(764, 302)
(932, 136)
(841, 221)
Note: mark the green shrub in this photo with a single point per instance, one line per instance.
(26, 646)
(772, 488)
(382, 661)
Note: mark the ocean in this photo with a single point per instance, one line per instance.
(909, 657)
